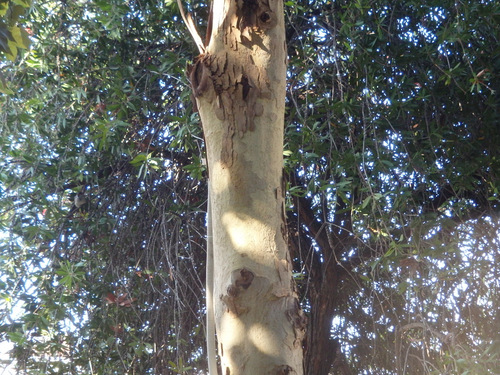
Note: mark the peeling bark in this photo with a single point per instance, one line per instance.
(235, 88)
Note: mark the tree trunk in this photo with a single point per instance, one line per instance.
(239, 87)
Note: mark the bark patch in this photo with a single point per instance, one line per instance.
(298, 319)
(233, 88)
(241, 279)
(229, 79)
(254, 17)
(283, 370)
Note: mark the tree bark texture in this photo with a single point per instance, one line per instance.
(239, 87)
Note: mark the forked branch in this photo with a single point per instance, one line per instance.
(188, 20)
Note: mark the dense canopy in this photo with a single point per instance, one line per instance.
(392, 159)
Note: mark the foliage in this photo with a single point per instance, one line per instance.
(99, 109)
(392, 161)
(396, 115)
(12, 36)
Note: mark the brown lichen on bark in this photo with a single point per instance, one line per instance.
(233, 90)
(235, 87)
(241, 279)
(282, 370)
(200, 75)
(254, 17)
(230, 80)
(298, 319)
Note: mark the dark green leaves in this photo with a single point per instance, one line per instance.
(12, 36)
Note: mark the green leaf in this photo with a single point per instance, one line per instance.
(139, 159)
(366, 202)
(20, 36)
(23, 3)
(3, 87)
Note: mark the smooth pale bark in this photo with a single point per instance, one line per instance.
(239, 86)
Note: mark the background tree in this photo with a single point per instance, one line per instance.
(392, 207)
